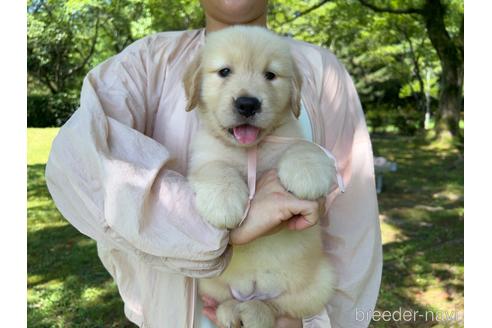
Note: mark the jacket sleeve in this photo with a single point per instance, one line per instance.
(109, 178)
(352, 232)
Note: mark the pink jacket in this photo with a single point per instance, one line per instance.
(117, 172)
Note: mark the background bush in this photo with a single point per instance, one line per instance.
(50, 110)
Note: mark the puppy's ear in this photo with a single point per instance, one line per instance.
(295, 98)
(192, 80)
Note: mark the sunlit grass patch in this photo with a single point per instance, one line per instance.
(38, 143)
(422, 213)
(389, 232)
(67, 284)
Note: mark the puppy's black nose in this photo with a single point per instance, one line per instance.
(247, 106)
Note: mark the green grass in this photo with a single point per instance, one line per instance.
(421, 218)
(39, 143)
(67, 284)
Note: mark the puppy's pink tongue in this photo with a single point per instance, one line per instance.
(246, 134)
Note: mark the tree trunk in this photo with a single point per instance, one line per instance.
(451, 56)
(420, 98)
(451, 84)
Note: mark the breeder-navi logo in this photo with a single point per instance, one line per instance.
(409, 315)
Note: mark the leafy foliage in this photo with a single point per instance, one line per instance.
(61, 41)
(172, 15)
(390, 57)
(50, 111)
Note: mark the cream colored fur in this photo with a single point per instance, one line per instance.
(290, 262)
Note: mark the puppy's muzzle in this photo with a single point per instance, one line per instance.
(247, 106)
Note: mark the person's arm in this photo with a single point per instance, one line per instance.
(110, 180)
(351, 229)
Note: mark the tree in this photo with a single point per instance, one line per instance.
(67, 38)
(385, 54)
(451, 54)
(175, 15)
(386, 46)
(60, 42)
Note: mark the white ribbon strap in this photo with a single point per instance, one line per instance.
(252, 160)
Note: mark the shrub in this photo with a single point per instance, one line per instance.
(404, 117)
(50, 110)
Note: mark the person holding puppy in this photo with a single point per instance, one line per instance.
(116, 172)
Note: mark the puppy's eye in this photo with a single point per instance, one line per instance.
(224, 72)
(270, 76)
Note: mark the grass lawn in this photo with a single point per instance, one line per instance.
(422, 223)
(39, 144)
(67, 285)
(421, 218)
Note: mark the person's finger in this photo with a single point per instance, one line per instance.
(291, 224)
(298, 222)
(209, 301)
(211, 314)
(305, 208)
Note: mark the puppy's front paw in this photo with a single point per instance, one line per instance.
(227, 316)
(255, 314)
(222, 208)
(221, 196)
(306, 171)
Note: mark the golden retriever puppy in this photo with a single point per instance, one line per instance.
(245, 86)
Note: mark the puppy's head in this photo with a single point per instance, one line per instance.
(244, 83)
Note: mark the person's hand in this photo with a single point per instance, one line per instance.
(274, 208)
(210, 308)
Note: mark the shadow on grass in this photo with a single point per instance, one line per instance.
(67, 284)
(423, 203)
(36, 185)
